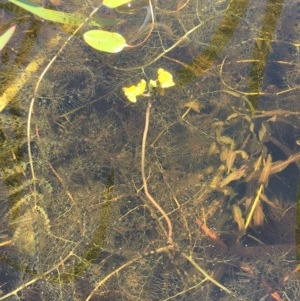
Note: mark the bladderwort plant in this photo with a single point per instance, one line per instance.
(98, 38)
(143, 89)
(164, 80)
(102, 40)
(101, 37)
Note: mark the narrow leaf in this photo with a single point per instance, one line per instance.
(101, 40)
(4, 38)
(238, 217)
(56, 16)
(115, 3)
(264, 176)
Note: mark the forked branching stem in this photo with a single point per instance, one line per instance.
(145, 185)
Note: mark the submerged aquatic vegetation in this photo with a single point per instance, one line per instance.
(80, 179)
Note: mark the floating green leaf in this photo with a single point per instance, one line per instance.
(115, 3)
(58, 16)
(106, 41)
(49, 14)
(4, 38)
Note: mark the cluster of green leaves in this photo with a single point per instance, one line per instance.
(99, 39)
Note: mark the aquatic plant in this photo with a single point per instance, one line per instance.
(102, 40)
(5, 37)
(117, 184)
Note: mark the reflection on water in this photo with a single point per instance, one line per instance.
(221, 159)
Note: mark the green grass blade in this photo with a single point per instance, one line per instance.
(58, 16)
(115, 3)
(4, 38)
(48, 14)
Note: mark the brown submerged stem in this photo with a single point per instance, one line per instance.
(148, 195)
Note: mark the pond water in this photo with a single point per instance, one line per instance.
(190, 193)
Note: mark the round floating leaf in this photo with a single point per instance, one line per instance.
(115, 3)
(101, 40)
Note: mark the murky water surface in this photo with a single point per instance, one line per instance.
(204, 207)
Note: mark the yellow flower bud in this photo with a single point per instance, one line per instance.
(133, 91)
(165, 78)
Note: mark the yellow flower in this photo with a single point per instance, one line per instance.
(152, 83)
(133, 91)
(165, 78)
